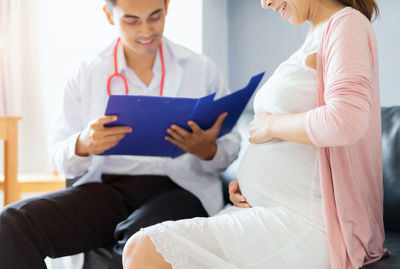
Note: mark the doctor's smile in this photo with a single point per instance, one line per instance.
(146, 42)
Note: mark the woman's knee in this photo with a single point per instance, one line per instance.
(130, 246)
(133, 249)
(140, 252)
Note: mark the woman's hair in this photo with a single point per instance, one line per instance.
(366, 7)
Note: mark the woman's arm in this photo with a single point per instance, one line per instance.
(267, 126)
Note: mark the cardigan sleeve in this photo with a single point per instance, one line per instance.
(347, 71)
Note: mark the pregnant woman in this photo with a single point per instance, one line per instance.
(309, 189)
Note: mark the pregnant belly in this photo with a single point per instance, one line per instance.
(278, 172)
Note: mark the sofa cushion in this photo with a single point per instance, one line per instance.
(391, 167)
(392, 242)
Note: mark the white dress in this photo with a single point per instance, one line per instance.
(280, 180)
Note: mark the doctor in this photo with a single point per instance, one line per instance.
(115, 196)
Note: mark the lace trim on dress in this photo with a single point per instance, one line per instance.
(167, 248)
(173, 240)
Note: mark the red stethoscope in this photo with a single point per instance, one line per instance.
(117, 74)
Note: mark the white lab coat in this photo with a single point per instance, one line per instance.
(187, 75)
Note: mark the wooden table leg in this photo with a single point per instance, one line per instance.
(11, 186)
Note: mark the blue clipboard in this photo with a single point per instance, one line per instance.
(151, 116)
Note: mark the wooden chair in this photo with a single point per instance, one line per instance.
(12, 184)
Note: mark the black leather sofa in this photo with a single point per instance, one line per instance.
(391, 178)
(391, 183)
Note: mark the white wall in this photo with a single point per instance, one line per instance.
(184, 23)
(215, 40)
(387, 29)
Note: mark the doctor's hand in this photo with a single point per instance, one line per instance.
(96, 138)
(236, 196)
(201, 143)
(260, 128)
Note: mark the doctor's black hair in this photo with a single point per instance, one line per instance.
(113, 2)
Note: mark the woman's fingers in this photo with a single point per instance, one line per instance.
(235, 195)
(244, 205)
(233, 186)
(238, 200)
(311, 61)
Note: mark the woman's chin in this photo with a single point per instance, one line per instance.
(296, 21)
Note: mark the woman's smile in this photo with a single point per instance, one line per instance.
(282, 8)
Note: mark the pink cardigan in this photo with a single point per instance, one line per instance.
(346, 127)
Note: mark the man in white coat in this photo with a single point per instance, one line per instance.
(115, 196)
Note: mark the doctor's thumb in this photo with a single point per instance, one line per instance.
(220, 120)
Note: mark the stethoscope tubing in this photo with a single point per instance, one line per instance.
(117, 74)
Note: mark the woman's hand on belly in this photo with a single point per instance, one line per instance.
(236, 196)
(260, 129)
